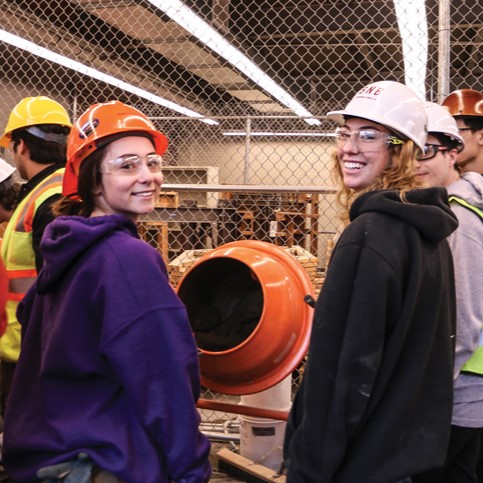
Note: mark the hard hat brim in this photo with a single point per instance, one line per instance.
(5, 141)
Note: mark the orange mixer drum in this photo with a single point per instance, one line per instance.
(245, 301)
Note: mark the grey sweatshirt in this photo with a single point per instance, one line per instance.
(467, 247)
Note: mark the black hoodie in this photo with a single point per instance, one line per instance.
(375, 402)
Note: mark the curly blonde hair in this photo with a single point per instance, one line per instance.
(400, 176)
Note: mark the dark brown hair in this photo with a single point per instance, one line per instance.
(9, 191)
(42, 151)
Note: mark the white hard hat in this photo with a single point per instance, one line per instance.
(6, 170)
(441, 121)
(390, 104)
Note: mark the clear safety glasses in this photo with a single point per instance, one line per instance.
(430, 151)
(131, 164)
(366, 137)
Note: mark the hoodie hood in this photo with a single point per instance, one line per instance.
(469, 188)
(68, 237)
(426, 209)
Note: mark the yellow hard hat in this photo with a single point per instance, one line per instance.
(32, 111)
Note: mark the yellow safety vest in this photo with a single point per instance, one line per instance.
(19, 258)
(474, 365)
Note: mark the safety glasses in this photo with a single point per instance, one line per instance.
(430, 151)
(366, 136)
(131, 164)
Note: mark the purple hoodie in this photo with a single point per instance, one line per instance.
(108, 363)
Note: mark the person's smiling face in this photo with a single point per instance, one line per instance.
(468, 158)
(130, 194)
(362, 162)
(439, 169)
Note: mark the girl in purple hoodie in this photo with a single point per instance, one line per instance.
(108, 377)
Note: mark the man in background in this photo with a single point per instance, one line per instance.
(36, 134)
(8, 200)
(437, 166)
(466, 106)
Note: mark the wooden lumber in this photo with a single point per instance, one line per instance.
(239, 466)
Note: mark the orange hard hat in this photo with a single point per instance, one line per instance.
(99, 122)
(465, 102)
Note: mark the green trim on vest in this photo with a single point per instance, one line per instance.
(464, 203)
(474, 365)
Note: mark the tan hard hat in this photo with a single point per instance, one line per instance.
(390, 104)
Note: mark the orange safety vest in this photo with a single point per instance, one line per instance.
(19, 258)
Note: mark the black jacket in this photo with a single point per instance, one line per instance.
(376, 398)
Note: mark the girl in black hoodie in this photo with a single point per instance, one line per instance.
(375, 402)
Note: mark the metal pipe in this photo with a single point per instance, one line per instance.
(233, 118)
(231, 426)
(241, 409)
(248, 188)
(221, 436)
(444, 53)
(246, 166)
(222, 426)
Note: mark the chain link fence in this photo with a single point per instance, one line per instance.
(245, 161)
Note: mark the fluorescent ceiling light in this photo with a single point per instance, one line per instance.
(95, 74)
(281, 134)
(413, 27)
(196, 26)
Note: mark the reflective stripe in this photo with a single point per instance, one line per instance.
(15, 297)
(23, 273)
(474, 365)
(10, 341)
(20, 285)
(39, 195)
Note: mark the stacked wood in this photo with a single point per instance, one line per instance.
(305, 258)
(181, 264)
(178, 266)
(309, 262)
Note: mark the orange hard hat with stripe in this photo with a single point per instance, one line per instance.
(99, 122)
